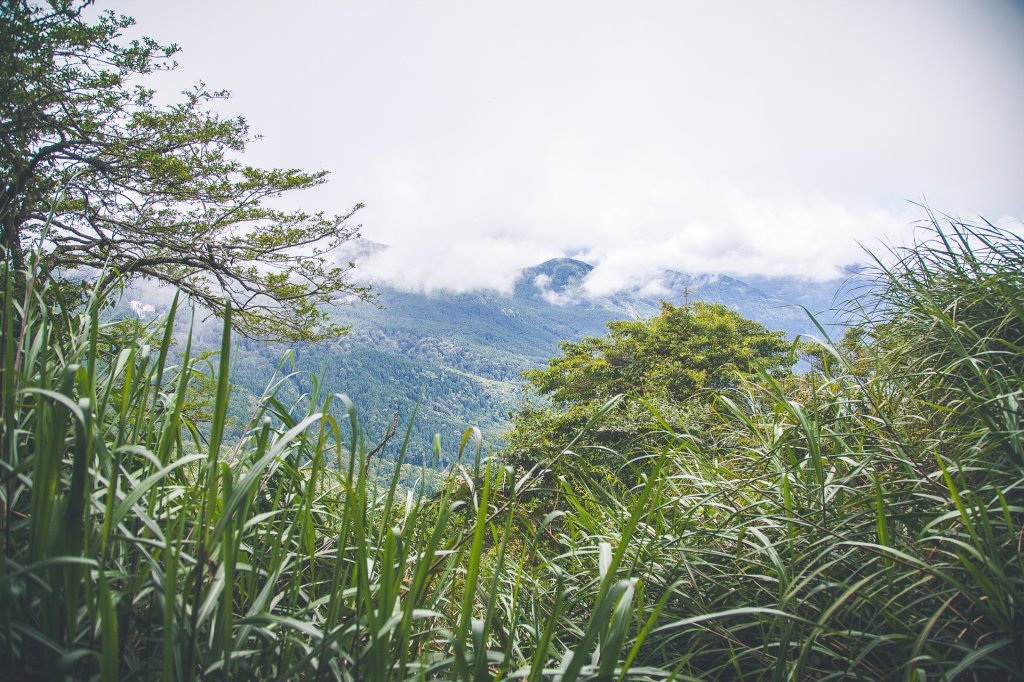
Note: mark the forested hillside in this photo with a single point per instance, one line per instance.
(459, 356)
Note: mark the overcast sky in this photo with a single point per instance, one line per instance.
(737, 137)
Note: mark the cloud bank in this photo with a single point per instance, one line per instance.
(747, 138)
(725, 231)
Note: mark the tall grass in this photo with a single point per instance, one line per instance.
(139, 545)
(866, 520)
(863, 521)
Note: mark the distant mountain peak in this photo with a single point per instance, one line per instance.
(355, 250)
(560, 269)
(565, 261)
(553, 277)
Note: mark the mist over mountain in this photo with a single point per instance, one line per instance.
(458, 355)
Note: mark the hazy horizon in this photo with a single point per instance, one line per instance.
(749, 139)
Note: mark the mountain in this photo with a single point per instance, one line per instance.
(458, 356)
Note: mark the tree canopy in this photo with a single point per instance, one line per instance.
(105, 179)
(675, 361)
(682, 351)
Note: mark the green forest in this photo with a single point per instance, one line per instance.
(691, 496)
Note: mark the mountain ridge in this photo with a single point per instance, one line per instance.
(458, 356)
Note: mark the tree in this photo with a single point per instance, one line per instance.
(675, 362)
(106, 180)
(681, 352)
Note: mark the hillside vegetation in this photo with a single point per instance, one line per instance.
(458, 356)
(674, 519)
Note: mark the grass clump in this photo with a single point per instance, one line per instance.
(139, 544)
(863, 520)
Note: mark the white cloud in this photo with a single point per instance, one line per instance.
(635, 228)
(471, 263)
(746, 138)
(142, 310)
(552, 296)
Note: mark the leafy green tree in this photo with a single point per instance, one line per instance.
(684, 351)
(675, 362)
(106, 179)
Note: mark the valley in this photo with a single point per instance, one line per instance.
(458, 356)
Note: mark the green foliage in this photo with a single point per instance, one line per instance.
(682, 352)
(674, 362)
(150, 191)
(137, 545)
(458, 356)
(861, 521)
(951, 318)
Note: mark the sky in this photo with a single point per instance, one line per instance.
(745, 138)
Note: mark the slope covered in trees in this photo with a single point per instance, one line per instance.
(459, 356)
